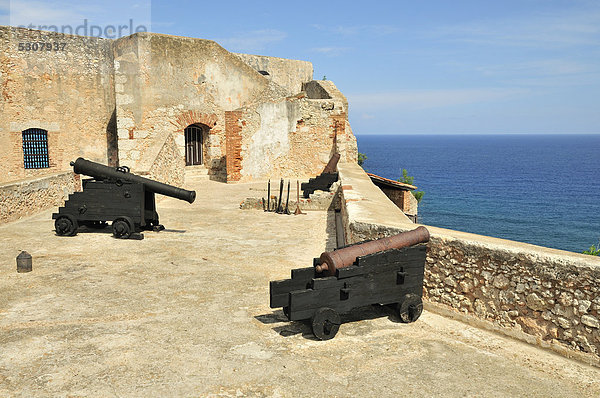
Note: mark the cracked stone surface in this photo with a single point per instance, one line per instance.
(185, 312)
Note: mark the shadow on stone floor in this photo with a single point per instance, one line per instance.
(292, 328)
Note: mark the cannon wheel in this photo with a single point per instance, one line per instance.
(122, 227)
(66, 225)
(325, 323)
(410, 308)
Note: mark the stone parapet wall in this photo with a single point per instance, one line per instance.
(290, 74)
(23, 198)
(544, 296)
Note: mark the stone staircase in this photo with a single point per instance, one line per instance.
(196, 174)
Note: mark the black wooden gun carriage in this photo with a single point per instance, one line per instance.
(383, 271)
(116, 195)
(323, 181)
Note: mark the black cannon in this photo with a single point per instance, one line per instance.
(323, 181)
(116, 195)
(383, 271)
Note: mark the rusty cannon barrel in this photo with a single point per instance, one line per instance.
(119, 174)
(329, 262)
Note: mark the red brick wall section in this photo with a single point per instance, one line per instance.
(233, 137)
(396, 196)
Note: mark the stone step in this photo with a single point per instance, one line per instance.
(194, 178)
(196, 174)
(196, 170)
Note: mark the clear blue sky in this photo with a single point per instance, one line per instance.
(429, 67)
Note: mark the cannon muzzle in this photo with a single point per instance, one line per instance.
(342, 258)
(120, 174)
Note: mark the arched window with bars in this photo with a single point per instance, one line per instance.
(35, 149)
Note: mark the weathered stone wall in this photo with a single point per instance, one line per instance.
(544, 296)
(23, 198)
(290, 137)
(168, 166)
(287, 73)
(165, 83)
(123, 101)
(556, 299)
(67, 91)
(315, 90)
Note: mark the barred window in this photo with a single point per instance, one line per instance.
(35, 149)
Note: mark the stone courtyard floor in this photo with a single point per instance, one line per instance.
(185, 312)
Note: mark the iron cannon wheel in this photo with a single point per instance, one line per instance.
(325, 323)
(122, 228)
(410, 308)
(66, 225)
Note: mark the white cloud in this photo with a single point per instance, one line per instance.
(550, 30)
(354, 30)
(75, 13)
(253, 40)
(541, 67)
(40, 13)
(331, 51)
(427, 99)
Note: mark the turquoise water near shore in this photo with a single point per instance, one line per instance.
(539, 189)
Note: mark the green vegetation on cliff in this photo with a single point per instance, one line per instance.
(593, 250)
(406, 179)
(361, 159)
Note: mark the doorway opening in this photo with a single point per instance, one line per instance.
(194, 140)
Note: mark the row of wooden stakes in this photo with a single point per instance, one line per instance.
(275, 204)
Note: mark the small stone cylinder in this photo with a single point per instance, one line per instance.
(24, 262)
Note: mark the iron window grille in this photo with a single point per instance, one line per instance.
(35, 149)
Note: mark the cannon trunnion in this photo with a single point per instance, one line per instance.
(115, 195)
(388, 277)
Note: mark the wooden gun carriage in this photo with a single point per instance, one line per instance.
(384, 271)
(323, 181)
(116, 195)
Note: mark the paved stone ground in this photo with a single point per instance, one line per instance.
(185, 313)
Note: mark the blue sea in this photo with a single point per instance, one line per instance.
(539, 189)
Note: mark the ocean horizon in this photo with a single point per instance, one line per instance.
(542, 189)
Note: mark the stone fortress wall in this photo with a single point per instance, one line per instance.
(293, 136)
(128, 102)
(544, 296)
(69, 93)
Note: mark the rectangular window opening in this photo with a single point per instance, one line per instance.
(35, 149)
